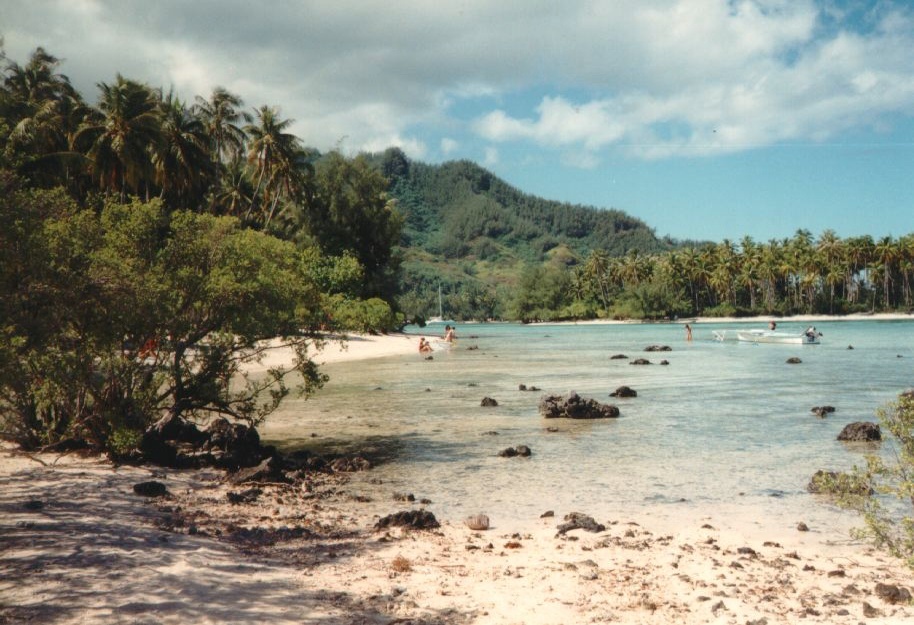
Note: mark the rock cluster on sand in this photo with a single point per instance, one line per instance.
(521, 450)
(573, 406)
(412, 519)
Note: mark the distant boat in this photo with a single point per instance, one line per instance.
(809, 337)
(440, 318)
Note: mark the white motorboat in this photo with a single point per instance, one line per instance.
(809, 337)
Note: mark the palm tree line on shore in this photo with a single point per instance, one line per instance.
(800, 274)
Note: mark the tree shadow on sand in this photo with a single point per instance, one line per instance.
(74, 548)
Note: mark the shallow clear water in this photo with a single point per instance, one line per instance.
(725, 426)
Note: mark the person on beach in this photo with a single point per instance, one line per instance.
(772, 325)
(688, 330)
(450, 334)
(424, 346)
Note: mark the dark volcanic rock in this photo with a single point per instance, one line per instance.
(793, 360)
(860, 431)
(576, 520)
(619, 357)
(413, 519)
(520, 450)
(892, 594)
(624, 391)
(150, 489)
(350, 465)
(270, 470)
(821, 411)
(488, 402)
(246, 496)
(658, 348)
(233, 445)
(640, 361)
(572, 406)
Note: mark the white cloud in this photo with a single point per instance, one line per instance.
(490, 158)
(449, 146)
(651, 79)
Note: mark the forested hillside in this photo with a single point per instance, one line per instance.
(474, 234)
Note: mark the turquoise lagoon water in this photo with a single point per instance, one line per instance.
(723, 427)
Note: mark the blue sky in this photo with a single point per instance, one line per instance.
(707, 119)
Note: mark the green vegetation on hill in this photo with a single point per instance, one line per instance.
(475, 235)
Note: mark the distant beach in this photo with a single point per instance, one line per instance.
(759, 319)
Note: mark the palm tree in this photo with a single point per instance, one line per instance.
(120, 136)
(234, 191)
(906, 265)
(221, 116)
(182, 163)
(749, 267)
(830, 252)
(769, 265)
(45, 112)
(885, 254)
(596, 269)
(271, 154)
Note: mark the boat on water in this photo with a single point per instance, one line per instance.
(440, 317)
(809, 337)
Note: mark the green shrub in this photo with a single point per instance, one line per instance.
(882, 491)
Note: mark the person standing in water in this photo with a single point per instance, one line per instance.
(450, 334)
(688, 330)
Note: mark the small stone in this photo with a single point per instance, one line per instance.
(477, 522)
(893, 594)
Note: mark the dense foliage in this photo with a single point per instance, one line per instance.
(150, 248)
(476, 236)
(802, 274)
(882, 491)
(498, 253)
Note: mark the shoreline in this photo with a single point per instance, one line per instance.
(80, 547)
(758, 319)
(349, 348)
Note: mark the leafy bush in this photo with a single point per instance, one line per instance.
(882, 491)
(366, 316)
(120, 316)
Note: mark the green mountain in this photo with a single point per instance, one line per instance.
(472, 233)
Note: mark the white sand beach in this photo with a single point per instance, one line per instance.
(78, 546)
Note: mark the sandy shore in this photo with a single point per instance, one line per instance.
(344, 349)
(77, 546)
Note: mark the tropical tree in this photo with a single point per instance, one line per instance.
(221, 117)
(273, 155)
(121, 137)
(596, 269)
(44, 112)
(183, 165)
(885, 255)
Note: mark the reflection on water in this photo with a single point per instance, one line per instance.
(724, 425)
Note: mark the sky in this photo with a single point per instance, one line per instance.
(706, 119)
